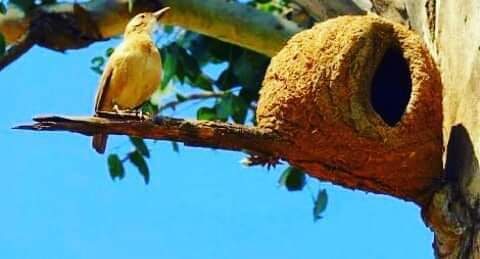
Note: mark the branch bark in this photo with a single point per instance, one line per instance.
(450, 29)
(16, 51)
(264, 144)
(193, 133)
(321, 10)
(100, 19)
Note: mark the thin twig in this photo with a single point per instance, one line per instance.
(196, 96)
(14, 52)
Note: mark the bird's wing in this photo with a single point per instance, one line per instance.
(103, 85)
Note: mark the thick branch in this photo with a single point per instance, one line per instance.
(99, 19)
(16, 51)
(193, 133)
(324, 9)
(76, 25)
(265, 145)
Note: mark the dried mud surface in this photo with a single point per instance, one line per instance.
(317, 95)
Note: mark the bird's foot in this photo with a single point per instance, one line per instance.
(260, 159)
(128, 114)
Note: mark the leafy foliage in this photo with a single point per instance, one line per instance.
(3, 8)
(48, 1)
(139, 161)
(25, 5)
(185, 57)
(115, 166)
(140, 146)
(3, 45)
(320, 204)
(271, 6)
(97, 64)
(293, 179)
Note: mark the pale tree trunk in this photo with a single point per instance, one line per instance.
(454, 39)
(449, 28)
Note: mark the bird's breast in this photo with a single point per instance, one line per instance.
(137, 75)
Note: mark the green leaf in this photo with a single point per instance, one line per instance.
(293, 179)
(137, 160)
(97, 64)
(250, 69)
(188, 63)
(205, 113)
(48, 1)
(320, 204)
(169, 66)
(175, 147)
(248, 94)
(180, 74)
(226, 80)
(25, 5)
(140, 146)
(150, 108)
(168, 29)
(3, 45)
(240, 109)
(225, 107)
(203, 82)
(109, 52)
(3, 9)
(180, 97)
(98, 61)
(115, 166)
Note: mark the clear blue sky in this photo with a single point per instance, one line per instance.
(58, 201)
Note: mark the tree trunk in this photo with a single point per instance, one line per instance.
(450, 30)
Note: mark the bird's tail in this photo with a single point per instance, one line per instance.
(99, 143)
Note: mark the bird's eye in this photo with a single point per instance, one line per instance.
(142, 16)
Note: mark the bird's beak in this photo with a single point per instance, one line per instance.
(158, 14)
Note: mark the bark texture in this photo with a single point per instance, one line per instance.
(76, 25)
(193, 133)
(450, 30)
(455, 41)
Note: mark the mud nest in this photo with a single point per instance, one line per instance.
(359, 99)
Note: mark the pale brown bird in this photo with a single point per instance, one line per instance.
(133, 71)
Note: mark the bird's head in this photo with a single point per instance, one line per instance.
(145, 22)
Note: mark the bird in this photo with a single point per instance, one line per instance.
(132, 73)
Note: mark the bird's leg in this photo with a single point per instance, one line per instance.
(122, 112)
(117, 112)
(137, 113)
(140, 115)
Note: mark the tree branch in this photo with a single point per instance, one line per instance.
(394, 10)
(262, 143)
(15, 51)
(193, 133)
(324, 9)
(99, 19)
(191, 97)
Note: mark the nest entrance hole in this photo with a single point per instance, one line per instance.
(391, 87)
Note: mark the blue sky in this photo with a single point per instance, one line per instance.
(58, 201)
